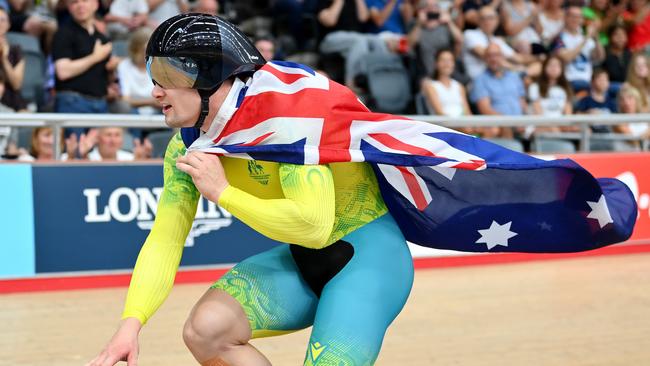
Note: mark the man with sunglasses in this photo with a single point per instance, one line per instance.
(342, 240)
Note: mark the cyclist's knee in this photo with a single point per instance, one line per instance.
(216, 323)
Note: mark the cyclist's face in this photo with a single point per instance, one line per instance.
(181, 106)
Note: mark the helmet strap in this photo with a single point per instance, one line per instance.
(205, 105)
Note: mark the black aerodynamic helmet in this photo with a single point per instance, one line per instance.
(199, 51)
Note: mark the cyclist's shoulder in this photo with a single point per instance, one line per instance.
(175, 148)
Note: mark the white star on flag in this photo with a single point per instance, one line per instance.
(600, 212)
(496, 235)
(445, 172)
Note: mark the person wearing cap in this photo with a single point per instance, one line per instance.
(341, 239)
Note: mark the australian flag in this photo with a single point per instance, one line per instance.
(445, 189)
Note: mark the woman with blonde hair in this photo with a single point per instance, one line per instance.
(629, 101)
(135, 85)
(638, 76)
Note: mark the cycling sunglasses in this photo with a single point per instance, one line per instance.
(173, 72)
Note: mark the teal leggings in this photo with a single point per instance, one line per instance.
(355, 307)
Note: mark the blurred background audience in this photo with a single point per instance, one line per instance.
(445, 57)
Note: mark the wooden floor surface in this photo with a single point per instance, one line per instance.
(588, 311)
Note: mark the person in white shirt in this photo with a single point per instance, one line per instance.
(162, 10)
(7, 135)
(520, 21)
(444, 95)
(477, 40)
(551, 20)
(206, 7)
(109, 146)
(550, 95)
(135, 85)
(578, 51)
(105, 144)
(125, 16)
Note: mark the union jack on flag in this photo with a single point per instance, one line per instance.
(445, 189)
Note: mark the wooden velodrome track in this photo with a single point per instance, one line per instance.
(582, 311)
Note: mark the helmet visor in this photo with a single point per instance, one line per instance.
(173, 72)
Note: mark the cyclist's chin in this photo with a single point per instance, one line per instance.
(176, 122)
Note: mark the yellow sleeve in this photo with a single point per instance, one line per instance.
(159, 258)
(304, 217)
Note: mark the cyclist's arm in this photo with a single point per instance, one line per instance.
(304, 217)
(159, 258)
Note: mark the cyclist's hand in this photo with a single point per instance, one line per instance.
(122, 347)
(207, 173)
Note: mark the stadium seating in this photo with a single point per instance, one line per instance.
(508, 143)
(422, 105)
(159, 140)
(388, 82)
(553, 146)
(35, 64)
(120, 48)
(24, 139)
(26, 42)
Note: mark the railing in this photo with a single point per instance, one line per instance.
(583, 121)
(58, 121)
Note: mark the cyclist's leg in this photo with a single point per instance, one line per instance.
(263, 295)
(359, 303)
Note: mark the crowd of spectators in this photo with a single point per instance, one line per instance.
(460, 57)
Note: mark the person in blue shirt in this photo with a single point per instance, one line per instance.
(598, 101)
(390, 15)
(498, 91)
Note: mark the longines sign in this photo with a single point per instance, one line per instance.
(94, 217)
(141, 206)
